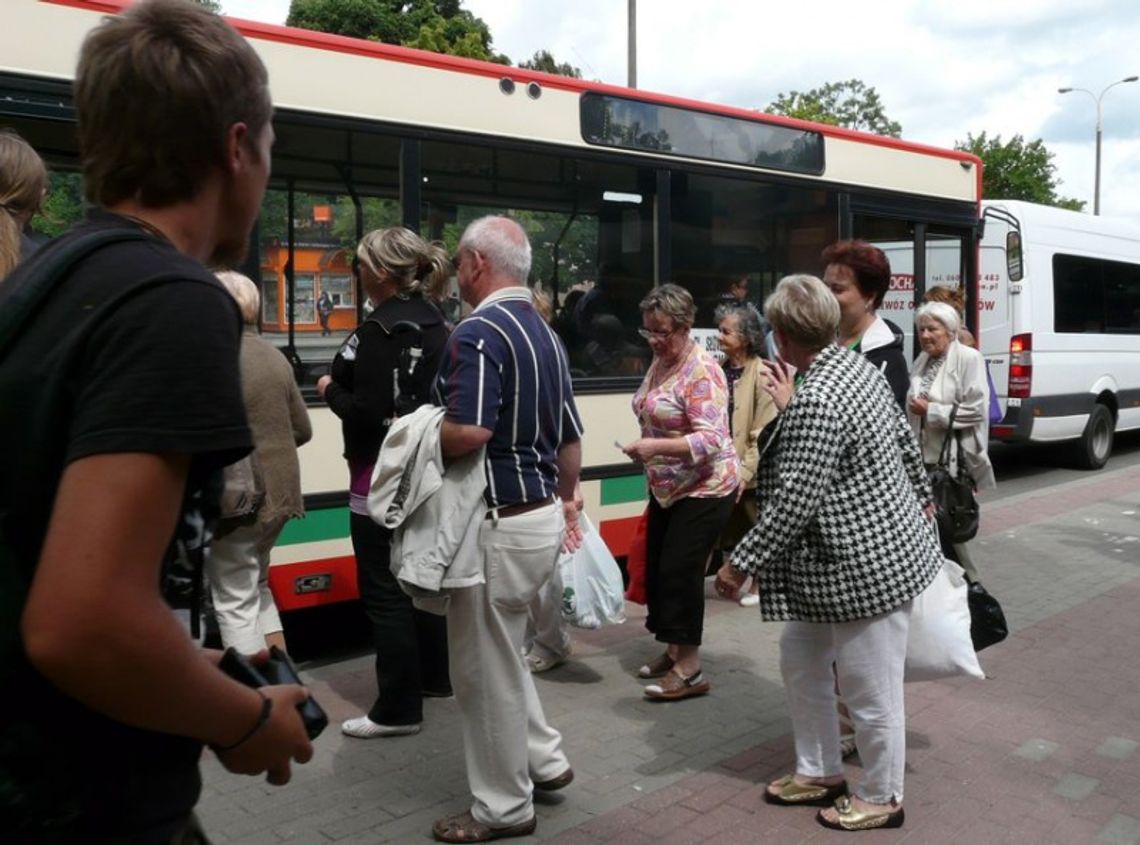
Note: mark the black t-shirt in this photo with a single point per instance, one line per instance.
(361, 392)
(115, 360)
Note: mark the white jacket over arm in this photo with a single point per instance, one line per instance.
(434, 511)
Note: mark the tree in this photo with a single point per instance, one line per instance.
(213, 5)
(63, 205)
(851, 104)
(1017, 170)
(437, 25)
(546, 63)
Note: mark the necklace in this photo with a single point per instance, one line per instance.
(661, 375)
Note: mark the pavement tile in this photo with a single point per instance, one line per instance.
(985, 759)
(1121, 830)
(1117, 748)
(1075, 787)
(1036, 749)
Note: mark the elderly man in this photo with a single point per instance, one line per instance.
(505, 384)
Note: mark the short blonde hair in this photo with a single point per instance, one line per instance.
(415, 265)
(804, 309)
(944, 313)
(673, 301)
(244, 292)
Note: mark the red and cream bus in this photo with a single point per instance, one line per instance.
(619, 190)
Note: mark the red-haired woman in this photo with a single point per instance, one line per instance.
(859, 276)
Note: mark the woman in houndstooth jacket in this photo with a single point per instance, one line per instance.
(841, 548)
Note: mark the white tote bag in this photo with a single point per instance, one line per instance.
(593, 594)
(939, 644)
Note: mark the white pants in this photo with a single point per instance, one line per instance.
(547, 633)
(506, 739)
(237, 569)
(868, 655)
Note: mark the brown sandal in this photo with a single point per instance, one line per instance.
(674, 686)
(657, 668)
(466, 828)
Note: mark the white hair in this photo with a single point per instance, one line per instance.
(244, 292)
(943, 313)
(502, 243)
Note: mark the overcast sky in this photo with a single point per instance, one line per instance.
(942, 69)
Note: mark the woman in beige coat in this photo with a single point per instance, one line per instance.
(237, 564)
(750, 409)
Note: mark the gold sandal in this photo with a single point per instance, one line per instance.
(851, 819)
(789, 791)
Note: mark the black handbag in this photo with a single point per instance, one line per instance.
(956, 509)
(987, 621)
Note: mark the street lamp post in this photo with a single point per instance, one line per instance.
(1099, 128)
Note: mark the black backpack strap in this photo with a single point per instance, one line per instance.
(45, 270)
(48, 267)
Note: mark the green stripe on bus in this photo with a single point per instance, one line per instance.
(327, 524)
(627, 488)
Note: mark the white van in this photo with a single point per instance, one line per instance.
(1059, 313)
(1058, 309)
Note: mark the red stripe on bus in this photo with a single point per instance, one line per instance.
(407, 55)
(618, 533)
(286, 578)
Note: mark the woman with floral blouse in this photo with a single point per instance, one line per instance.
(693, 472)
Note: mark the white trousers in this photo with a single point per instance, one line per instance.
(506, 739)
(868, 655)
(237, 569)
(547, 633)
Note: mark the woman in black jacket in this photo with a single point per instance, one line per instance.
(383, 370)
(859, 276)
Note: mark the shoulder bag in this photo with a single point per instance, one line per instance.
(956, 509)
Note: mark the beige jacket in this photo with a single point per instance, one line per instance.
(279, 422)
(752, 409)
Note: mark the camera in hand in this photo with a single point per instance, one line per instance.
(279, 669)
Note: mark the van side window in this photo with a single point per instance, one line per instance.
(1092, 295)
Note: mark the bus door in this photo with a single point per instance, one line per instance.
(922, 255)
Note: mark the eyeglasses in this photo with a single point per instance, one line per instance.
(456, 260)
(650, 334)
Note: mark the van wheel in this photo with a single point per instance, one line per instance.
(1095, 445)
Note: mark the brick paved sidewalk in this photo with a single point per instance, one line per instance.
(1045, 750)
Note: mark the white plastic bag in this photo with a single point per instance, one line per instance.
(593, 594)
(939, 644)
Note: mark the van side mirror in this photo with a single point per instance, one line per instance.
(1013, 263)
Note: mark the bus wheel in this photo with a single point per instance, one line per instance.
(1095, 445)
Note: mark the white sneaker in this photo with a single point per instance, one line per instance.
(537, 663)
(750, 600)
(364, 728)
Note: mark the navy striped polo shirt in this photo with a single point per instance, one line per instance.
(504, 369)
